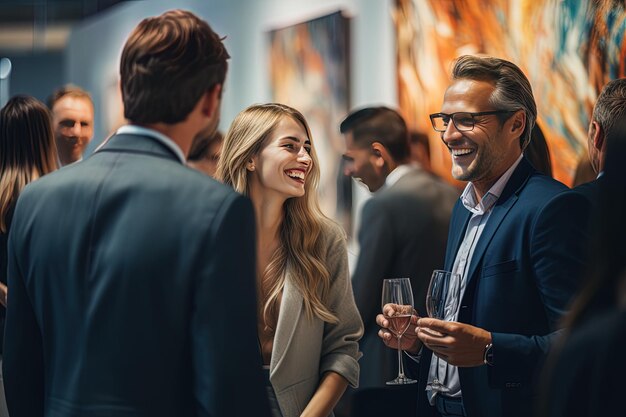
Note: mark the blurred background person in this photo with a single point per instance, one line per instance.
(591, 349)
(72, 118)
(403, 233)
(419, 147)
(309, 325)
(586, 369)
(27, 151)
(205, 152)
(609, 112)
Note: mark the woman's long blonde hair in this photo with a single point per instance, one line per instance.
(27, 149)
(301, 244)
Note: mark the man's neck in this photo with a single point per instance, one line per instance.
(482, 186)
(178, 133)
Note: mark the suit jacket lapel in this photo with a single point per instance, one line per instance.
(290, 311)
(458, 225)
(507, 199)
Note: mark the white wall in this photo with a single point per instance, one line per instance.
(92, 57)
(93, 53)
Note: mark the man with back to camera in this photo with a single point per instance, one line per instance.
(515, 242)
(403, 227)
(72, 119)
(132, 276)
(608, 111)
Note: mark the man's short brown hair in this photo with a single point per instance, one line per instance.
(70, 90)
(168, 63)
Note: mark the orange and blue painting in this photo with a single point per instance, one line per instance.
(309, 71)
(568, 49)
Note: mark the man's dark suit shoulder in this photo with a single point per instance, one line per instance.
(416, 188)
(169, 182)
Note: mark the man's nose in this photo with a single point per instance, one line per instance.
(451, 133)
(76, 129)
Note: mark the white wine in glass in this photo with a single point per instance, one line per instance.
(397, 303)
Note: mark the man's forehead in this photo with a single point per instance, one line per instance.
(70, 104)
(466, 92)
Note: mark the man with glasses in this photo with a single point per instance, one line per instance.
(516, 243)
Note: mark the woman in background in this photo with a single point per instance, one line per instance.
(27, 151)
(308, 322)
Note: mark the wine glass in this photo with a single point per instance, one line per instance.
(397, 302)
(442, 299)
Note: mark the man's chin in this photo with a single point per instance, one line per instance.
(461, 174)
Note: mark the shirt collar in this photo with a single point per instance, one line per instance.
(144, 131)
(468, 198)
(399, 172)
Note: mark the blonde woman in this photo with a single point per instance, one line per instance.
(308, 322)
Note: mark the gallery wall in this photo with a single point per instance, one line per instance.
(93, 51)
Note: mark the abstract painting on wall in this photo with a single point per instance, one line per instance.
(309, 71)
(568, 49)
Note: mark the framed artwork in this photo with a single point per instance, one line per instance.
(309, 71)
(568, 49)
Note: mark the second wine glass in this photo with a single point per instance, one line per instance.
(397, 303)
(442, 299)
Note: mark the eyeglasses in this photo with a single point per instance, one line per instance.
(463, 121)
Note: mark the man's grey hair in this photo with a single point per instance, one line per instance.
(610, 108)
(512, 88)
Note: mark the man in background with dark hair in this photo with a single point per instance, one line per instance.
(132, 276)
(72, 120)
(403, 227)
(420, 149)
(607, 122)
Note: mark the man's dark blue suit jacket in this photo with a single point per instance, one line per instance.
(521, 279)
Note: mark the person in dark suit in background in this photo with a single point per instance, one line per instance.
(608, 114)
(588, 358)
(516, 243)
(587, 364)
(132, 275)
(403, 228)
(27, 152)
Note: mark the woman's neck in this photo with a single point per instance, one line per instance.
(269, 214)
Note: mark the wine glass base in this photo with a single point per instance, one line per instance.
(438, 387)
(402, 381)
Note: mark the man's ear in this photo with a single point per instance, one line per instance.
(519, 122)
(380, 154)
(597, 135)
(211, 100)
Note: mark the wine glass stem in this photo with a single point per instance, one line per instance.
(400, 364)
